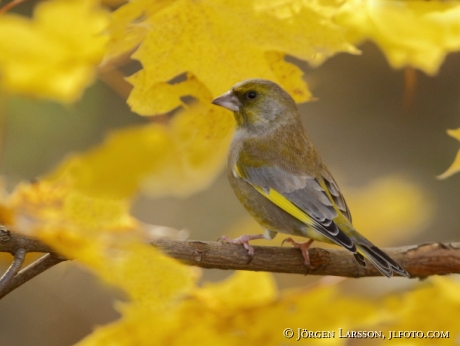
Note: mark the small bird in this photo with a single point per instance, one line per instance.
(281, 180)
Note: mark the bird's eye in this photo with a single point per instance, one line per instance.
(251, 95)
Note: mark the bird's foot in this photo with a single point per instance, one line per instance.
(303, 247)
(244, 239)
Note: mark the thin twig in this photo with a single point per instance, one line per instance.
(32, 270)
(10, 5)
(18, 245)
(18, 260)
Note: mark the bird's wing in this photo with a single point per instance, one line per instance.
(301, 196)
(336, 195)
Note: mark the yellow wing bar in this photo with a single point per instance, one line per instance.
(278, 199)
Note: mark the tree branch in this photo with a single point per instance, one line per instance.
(11, 242)
(11, 272)
(18, 245)
(31, 271)
(419, 260)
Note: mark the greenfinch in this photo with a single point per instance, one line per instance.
(281, 180)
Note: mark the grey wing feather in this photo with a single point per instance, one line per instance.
(336, 195)
(306, 193)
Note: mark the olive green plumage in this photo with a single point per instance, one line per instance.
(280, 178)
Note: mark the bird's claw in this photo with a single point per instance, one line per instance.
(244, 240)
(289, 240)
(225, 239)
(304, 248)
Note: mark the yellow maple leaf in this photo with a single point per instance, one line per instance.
(455, 166)
(222, 42)
(418, 311)
(185, 156)
(242, 290)
(99, 233)
(57, 204)
(55, 54)
(231, 312)
(179, 158)
(410, 33)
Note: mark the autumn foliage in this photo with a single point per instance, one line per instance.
(197, 50)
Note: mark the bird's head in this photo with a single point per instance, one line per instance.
(258, 104)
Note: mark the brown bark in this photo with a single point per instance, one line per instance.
(419, 260)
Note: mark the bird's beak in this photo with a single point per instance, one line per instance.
(229, 101)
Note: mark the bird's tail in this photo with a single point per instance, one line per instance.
(384, 263)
